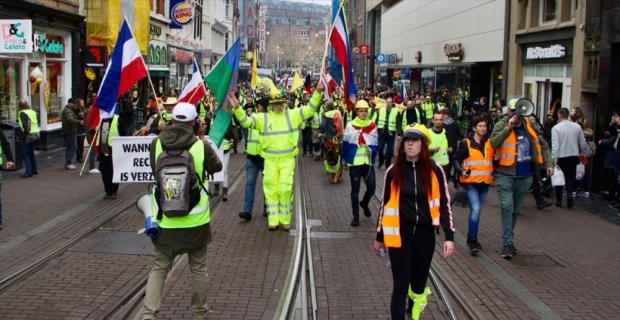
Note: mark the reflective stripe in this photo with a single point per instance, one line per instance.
(276, 133)
(508, 145)
(252, 141)
(473, 163)
(481, 173)
(201, 209)
(265, 122)
(391, 231)
(507, 156)
(390, 211)
(361, 155)
(433, 203)
(301, 113)
(244, 119)
(285, 151)
(272, 205)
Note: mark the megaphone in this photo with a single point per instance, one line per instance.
(145, 205)
(524, 107)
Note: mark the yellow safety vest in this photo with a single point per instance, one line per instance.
(481, 166)
(429, 109)
(404, 120)
(439, 140)
(34, 123)
(202, 111)
(201, 213)
(390, 220)
(1, 161)
(112, 134)
(509, 151)
(253, 146)
(382, 114)
(332, 169)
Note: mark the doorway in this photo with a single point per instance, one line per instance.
(549, 97)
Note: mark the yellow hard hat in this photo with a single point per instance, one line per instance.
(362, 104)
(417, 131)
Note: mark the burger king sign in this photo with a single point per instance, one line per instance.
(181, 14)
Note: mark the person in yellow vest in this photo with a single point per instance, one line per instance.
(108, 129)
(202, 107)
(158, 124)
(5, 152)
(429, 108)
(439, 147)
(386, 125)
(30, 132)
(359, 149)
(280, 130)
(416, 202)
(183, 234)
(473, 161)
(409, 116)
(315, 124)
(254, 163)
(521, 151)
(306, 133)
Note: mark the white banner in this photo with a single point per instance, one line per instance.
(15, 36)
(131, 159)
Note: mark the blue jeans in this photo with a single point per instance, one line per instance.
(28, 155)
(92, 157)
(384, 139)
(356, 173)
(251, 173)
(476, 194)
(70, 148)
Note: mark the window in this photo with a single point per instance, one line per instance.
(161, 7)
(10, 89)
(198, 20)
(573, 8)
(549, 10)
(227, 12)
(302, 33)
(303, 41)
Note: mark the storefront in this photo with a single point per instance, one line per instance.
(45, 76)
(547, 73)
(157, 59)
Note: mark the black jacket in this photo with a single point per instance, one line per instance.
(414, 208)
(452, 131)
(462, 153)
(6, 147)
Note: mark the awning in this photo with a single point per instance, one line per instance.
(159, 73)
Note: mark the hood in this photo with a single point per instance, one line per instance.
(448, 121)
(177, 137)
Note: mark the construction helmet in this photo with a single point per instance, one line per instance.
(362, 104)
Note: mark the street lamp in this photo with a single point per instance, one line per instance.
(278, 52)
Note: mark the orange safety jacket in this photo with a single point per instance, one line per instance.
(390, 221)
(481, 166)
(509, 150)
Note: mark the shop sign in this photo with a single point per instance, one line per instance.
(180, 55)
(249, 19)
(154, 31)
(157, 55)
(364, 49)
(551, 52)
(15, 36)
(181, 14)
(454, 51)
(262, 29)
(95, 57)
(50, 46)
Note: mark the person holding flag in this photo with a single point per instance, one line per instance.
(279, 146)
(333, 128)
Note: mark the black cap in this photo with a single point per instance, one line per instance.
(71, 100)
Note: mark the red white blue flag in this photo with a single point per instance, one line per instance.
(195, 88)
(329, 83)
(126, 67)
(339, 40)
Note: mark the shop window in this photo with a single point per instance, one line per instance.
(542, 71)
(569, 72)
(548, 10)
(556, 71)
(54, 91)
(10, 88)
(529, 71)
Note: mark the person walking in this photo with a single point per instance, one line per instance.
(416, 202)
(359, 149)
(521, 150)
(30, 132)
(280, 130)
(567, 142)
(473, 161)
(158, 123)
(5, 152)
(254, 164)
(81, 132)
(108, 129)
(408, 116)
(189, 234)
(386, 125)
(69, 130)
(439, 147)
(453, 133)
(90, 134)
(127, 110)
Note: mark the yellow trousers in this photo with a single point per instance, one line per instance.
(278, 187)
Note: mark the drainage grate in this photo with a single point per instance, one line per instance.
(534, 261)
(122, 243)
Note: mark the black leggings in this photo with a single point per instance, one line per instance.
(410, 266)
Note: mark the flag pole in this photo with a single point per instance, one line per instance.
(327, 37)
(145, 67)
(91, 146)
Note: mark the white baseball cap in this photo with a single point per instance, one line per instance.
(184, 112)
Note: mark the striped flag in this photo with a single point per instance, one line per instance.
(339, 40)
(329, 83)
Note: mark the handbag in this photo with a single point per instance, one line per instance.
(557, 179)
(581, 171)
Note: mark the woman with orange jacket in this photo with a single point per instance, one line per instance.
(416, 202)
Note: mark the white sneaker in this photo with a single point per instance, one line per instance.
(70, 167)
(94, 171)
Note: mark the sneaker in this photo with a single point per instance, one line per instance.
(35, 172)
(507, 252)
(585, 194)
(70, 167)
(245, 215)
(474, 246)
(355, 222)
(513, 249)
(94, 170)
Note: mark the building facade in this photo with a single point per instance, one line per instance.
(56, 34)
(438, 47)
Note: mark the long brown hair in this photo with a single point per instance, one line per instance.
(425, 163)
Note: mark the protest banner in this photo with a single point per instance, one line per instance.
(131, 160)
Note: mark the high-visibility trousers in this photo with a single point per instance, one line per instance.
(278, 187)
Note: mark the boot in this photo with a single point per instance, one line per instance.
(216, 189)
(474, 246)
(419, 302)
(225, 195)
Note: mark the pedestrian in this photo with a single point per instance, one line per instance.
(567, 143)
(306, 133)
(81, 132)
(5, 152)
(521, 151)
(585, 181)
(439, 147)
(473, 161)
(315, 124)
(158, 124)
(416, 202)
(540, 188)
(428, 109)
(386, 126)
(454, 133)
(280, 130)
(127, 110)
(189, 234)
(412, 114)
(69, 130)
(30, 132)
(108, 129)
(254, 163)
(359, 149)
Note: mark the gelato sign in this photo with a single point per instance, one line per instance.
(15, 36)
(551, 52)
(46, 45)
